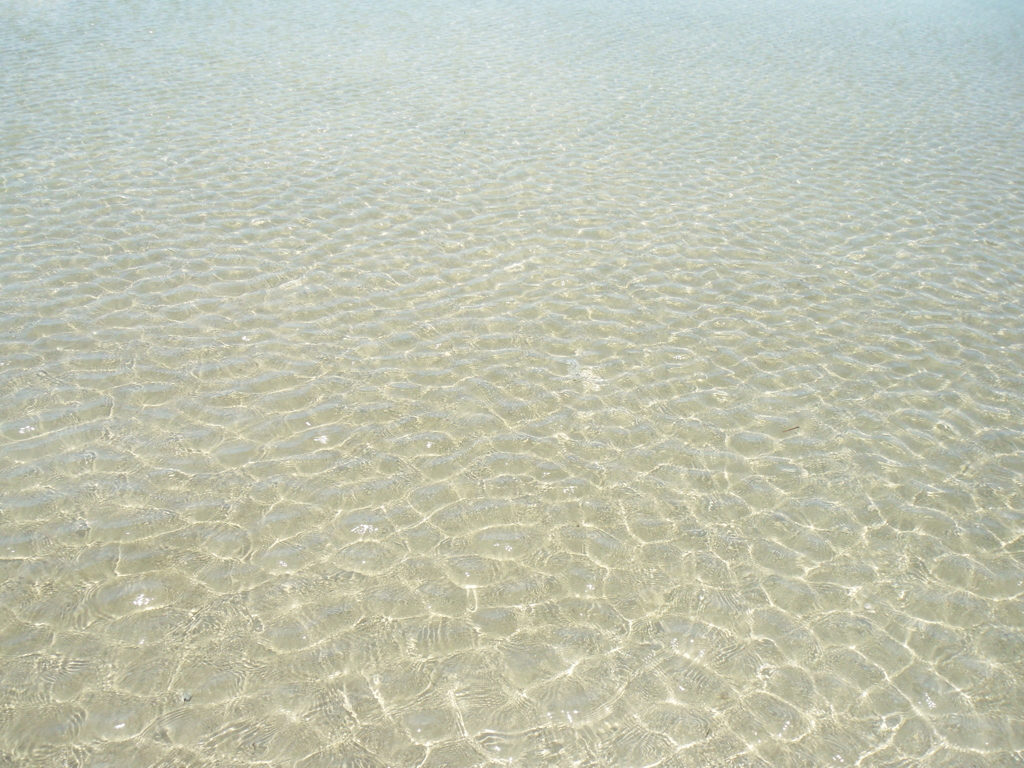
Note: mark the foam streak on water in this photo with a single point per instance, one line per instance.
(515, 383)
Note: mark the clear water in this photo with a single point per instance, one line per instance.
(459, 383)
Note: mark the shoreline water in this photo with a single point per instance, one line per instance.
(506, 384)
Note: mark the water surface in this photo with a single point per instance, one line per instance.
(478, 383)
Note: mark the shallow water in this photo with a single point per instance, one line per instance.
(450, 384)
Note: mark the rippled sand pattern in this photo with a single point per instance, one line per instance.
(520, 383)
